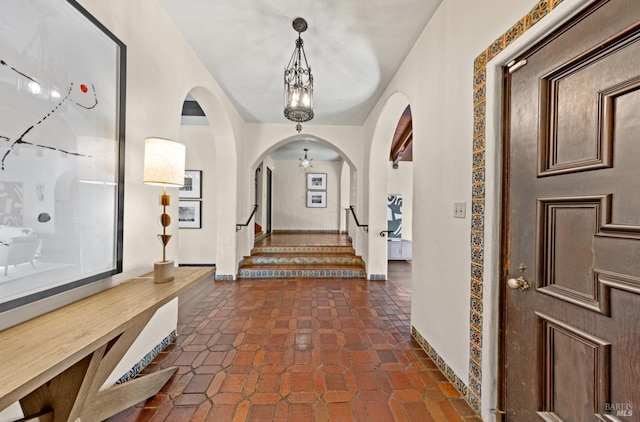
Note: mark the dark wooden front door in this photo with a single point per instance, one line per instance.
(572, 340)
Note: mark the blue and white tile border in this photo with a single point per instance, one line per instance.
(540, 10)
(146, 360)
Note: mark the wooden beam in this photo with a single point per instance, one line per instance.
(403, 143)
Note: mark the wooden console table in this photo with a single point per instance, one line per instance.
(56, 364)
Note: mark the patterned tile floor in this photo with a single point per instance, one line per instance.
(300, 350)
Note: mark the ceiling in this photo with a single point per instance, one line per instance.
(295, 150)
(354, 47)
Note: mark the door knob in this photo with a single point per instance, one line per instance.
(519, 283)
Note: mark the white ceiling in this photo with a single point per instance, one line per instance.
(354, 47)
(295, 150)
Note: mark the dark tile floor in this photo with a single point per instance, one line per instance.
(300, 350)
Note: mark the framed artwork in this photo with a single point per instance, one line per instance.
(316, 199)
(190, 214)
(394, 216)
(62, 96)
(317, 181)
(192, 188)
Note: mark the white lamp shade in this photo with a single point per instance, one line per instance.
(163, 162)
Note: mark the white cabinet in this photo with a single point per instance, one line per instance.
(399, 250)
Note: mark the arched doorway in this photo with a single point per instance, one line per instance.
(212, 154)
(378, 181)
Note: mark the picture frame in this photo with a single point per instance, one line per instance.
(190, 214)
(316, 199)
(317, 181)
(192, 188)
(63, 79)
(394, 216)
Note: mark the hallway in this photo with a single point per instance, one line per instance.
(300, 350)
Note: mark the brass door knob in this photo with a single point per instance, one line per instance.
(518, 283)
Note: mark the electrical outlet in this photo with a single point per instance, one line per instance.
(459, 209)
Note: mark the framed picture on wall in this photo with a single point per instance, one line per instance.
(190, 214)
(394, 216)
(192, 188)
(317, 181)
(316, 199)
(62, 79)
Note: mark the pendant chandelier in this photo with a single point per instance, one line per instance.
(305, 162)
(298, 82)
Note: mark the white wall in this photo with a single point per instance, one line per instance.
(290, 210)
(195, 245)
(345, 190)
(400, 182)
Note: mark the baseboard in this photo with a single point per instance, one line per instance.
(446, 370)
(260, 237)
(197, 265)
(304, 231)
(146, 360)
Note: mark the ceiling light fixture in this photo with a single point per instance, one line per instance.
(298, 82)
(305, 162)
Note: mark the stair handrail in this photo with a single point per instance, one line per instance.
(365, 227)
(239, 226)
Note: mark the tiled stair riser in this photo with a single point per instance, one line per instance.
(302, 249)
(321, 261)
(301, 273)
(302, 260)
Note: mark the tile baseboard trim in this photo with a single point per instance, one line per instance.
(445, 369)
(146, 360)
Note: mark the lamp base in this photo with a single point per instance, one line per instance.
(163, 271)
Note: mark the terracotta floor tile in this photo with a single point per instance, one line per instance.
(199, 384)
(378, 412)
(417, 411)
(340, 412)
(186, 399)
(301, 350)
(449, 390)
(302, 382)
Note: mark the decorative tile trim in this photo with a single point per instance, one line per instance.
(440, 363)
(377, 277)
(302, 249)
(540, 10)
(302, 260)
(224, 277)
(275, 273)
(146, 360)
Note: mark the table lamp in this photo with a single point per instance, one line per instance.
(163, 165)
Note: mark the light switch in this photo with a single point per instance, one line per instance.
(459, 209)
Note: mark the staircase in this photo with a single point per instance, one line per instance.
(291, 261)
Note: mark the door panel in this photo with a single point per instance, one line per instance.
(573, 339)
